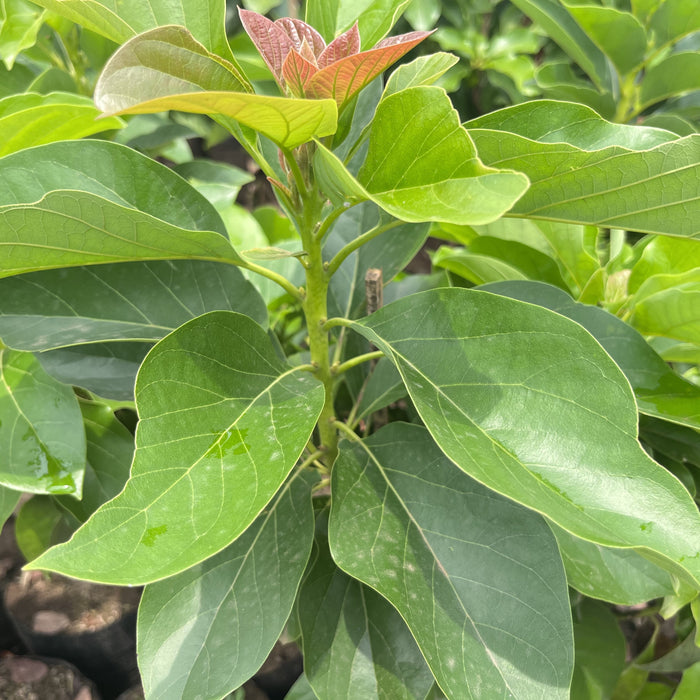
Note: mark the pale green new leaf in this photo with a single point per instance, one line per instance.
(585, 170)
(527, 402)
(166, 69)
(69, 228)
(477, 578)
(422, 71)
(124, 302)
(605, 26)
(222, 423)
(117, 173)
(41, 430)
(355, 644)
(194, 629)
(663, 256)
(422, 165)
(31, 120)
(20, 22)
(119, 20)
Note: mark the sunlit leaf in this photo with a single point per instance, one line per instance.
(20, 22)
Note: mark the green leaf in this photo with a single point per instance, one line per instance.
(193, 628)
(674, 441)
(477, 269)
(424, 70)
(31, 120)
(127, 301)
(689, 687)
(17, 80)
(8, 502)
(217, 408)
(355, 644)
(516, 388)
(673, 20)
(405, 521)
(662, 256)
(41, 430)
(415, 140)
(165, 69)
(110, 450)
(658, 389)
(600, 652)
(20, 22)
(619, 576)
(40, 524)
(119, 20)
(677, 74)
(558, 24)
(383, 387)
(598, 173)
(605, 26)
(219, 182)
(107, 170)
(375, 18)
(68, 228)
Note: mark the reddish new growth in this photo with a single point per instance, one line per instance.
(304, 66)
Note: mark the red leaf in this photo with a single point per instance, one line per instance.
(342, 46)
(297, 31)
(346, 77)
(297, 71)
(271, 40)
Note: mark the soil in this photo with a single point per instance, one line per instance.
(30, 678)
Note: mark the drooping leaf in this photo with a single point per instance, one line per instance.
(119, 20)
(20, 22)
(217, 409)
(676, 75)
(605, 26)
(416, 138)
(127, 301)
(659, 391)
(31, 120)
(527, 402)
(405, 521)
(355, 644)
(117, 173)
(194, 628)
(41, 429)
(608, 175)
(166, 69)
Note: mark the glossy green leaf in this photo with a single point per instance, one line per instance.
(31, 120)
(477, 269)
(619, 576)
(677, 74)
(422, 71)
(40, 524)
(600, 652)
(165, 69)
(119, 20)
(193, 628)
(68, 228)
(375, 18)
(658, 389)
(8, 501)
(605, 26)
(416, 138)
(127, 301)
(505, 407)
(477, 578)
(41, 430)
(217, 408)
(107, 170)
(598, 173)
(673, 20)
(110, 450)
(355, 644)
(20, 22)
(558, 24)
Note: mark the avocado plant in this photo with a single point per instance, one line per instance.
(409, 488)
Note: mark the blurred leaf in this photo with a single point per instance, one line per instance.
(19, 24)
(676, 75)
(673, 20)
(8, 501)
(40, 524)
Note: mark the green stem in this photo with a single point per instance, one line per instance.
(351, 247)
(313, 457)
(346, 430)
(358, 360)
(274, 276)
(328, 222)
(628, 92)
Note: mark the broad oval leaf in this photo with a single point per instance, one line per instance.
(527, 402)
(69, 228)
(166, 69)
(109, 170)
(626, 177)
(41, 430)
(407, 522)
(124, 302)
(119, 20)
(424, 70)
(194, 629)
(677, 74)
(422, 165)
(222, 423)
(673, 20)
(31, 120)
